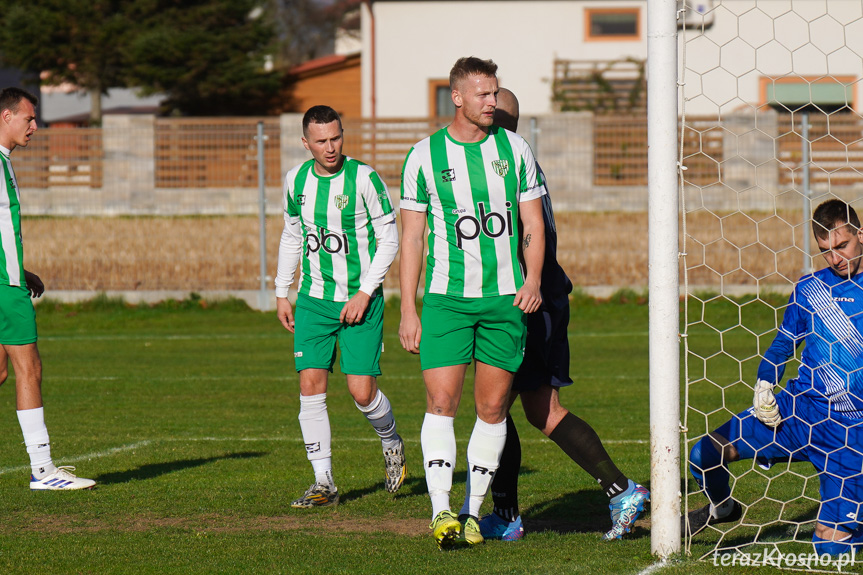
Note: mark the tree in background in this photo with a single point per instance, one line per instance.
(208, 56)
(72, 41)
(307, 28)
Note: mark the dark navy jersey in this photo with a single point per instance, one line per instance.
(556, 286)
(826, 312)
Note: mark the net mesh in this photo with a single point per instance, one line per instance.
(770, 94)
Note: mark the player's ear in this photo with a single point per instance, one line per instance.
(456, 98)
(305, 142)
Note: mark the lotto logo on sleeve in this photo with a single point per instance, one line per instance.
(490, 224)
(331, 243)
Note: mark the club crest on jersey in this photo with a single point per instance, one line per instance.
(301, 199)
(501, 167)
(341, 201)
(447, 175)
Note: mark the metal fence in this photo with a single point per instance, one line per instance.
(101, 205)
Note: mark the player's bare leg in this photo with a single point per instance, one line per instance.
(28, 374)
(46, 476)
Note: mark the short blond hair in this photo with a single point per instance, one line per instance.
(469, 66)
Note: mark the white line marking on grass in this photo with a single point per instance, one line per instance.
(598, 334)
(627, 441)
(369, 440)
(86, 457)
(653, 568)
(115, 450)
(157, 337)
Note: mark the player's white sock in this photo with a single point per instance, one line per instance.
(315, 425)
(724, 509)
(35, 433)
(438, 442)
(380, 415)
(483, 457)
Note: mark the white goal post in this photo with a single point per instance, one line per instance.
(664, 295)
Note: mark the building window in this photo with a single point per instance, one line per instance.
(612, 24)
(794, 93)
(440, 99)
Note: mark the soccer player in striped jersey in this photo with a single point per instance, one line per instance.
(472, 183)
(544, 371)
(17, 316)
(340, 226)
(818, 417)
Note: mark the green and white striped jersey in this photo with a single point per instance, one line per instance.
(11, 246)
(471, 193)
(338, 215)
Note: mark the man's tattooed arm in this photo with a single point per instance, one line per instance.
(525, 242)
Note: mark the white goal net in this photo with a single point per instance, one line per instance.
(771, 107)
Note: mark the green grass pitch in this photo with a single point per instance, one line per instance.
(186, 415)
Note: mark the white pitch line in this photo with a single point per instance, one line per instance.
(275, 336)
(156, 337)
(86, 457)
(115, 450)
(653, 568)
(368, 440)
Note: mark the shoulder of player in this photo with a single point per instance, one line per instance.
(815, 282)
(424, 145)
(293, 172)
(364, 172)
(360, 166)
(516, 140)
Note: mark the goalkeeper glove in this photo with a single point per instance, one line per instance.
(764, 404)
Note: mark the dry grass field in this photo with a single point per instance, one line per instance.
(221, 253)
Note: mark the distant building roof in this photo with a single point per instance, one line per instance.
(324, 64)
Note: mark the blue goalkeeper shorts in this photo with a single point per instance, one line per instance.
(808, 434)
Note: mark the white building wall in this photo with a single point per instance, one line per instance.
(749, 39)
(418, 41)
(773, 39)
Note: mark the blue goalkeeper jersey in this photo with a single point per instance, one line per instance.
(826, 312)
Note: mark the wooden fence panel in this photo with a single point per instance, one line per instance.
(836, 149)
(61, 157)
(384, 144)
(215, 152)
(620, 150)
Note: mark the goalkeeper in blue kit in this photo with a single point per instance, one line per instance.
(818, 416)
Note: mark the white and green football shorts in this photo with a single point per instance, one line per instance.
(457, 329)
(317, 328)
(17, 316)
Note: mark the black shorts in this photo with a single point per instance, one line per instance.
(546, 353)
